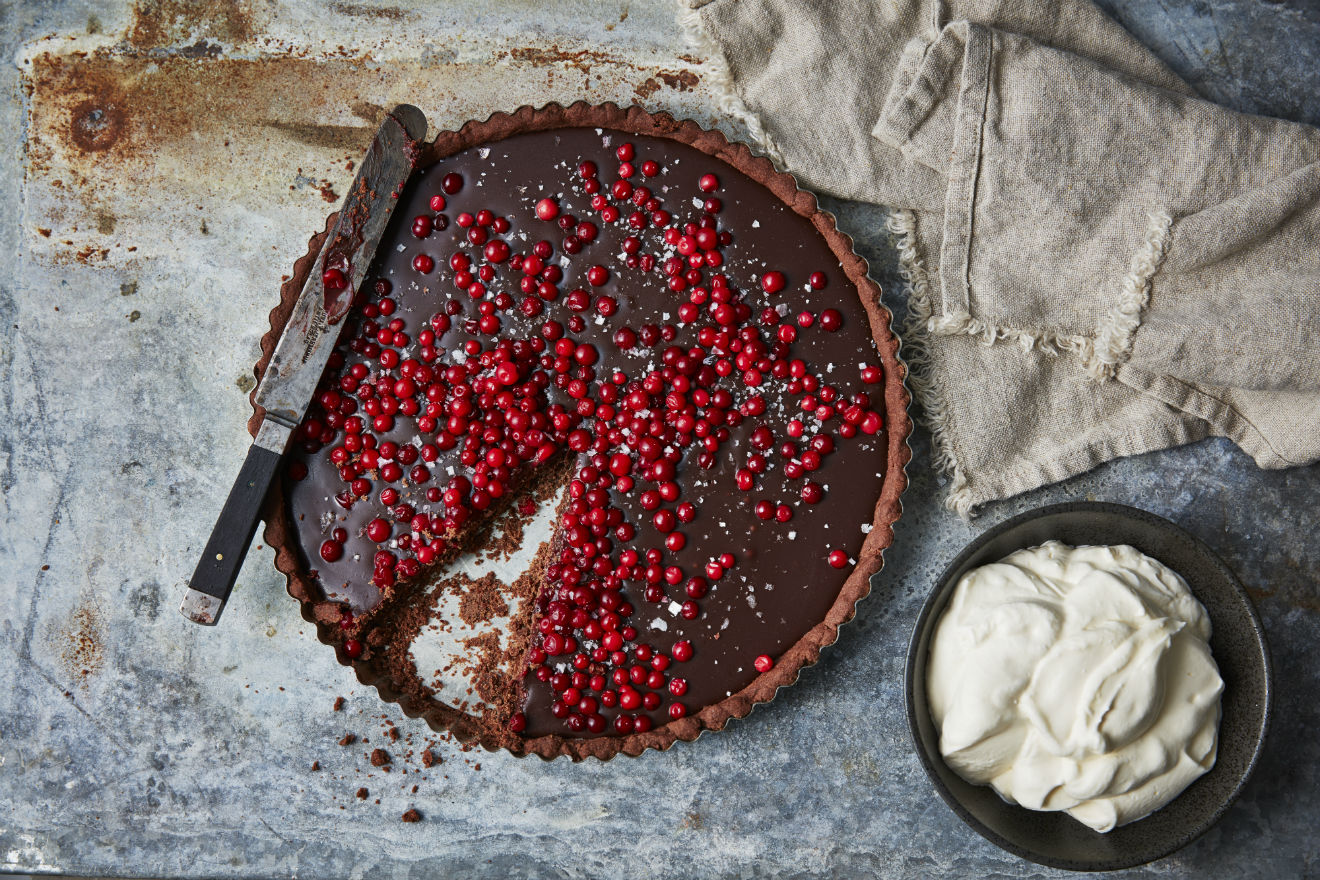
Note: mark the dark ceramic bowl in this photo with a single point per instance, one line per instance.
(1238, 646)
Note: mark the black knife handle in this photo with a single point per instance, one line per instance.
(233, 532)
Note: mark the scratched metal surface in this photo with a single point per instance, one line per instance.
(162, 166)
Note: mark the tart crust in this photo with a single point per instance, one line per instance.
(279, 532)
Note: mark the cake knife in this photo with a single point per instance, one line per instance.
(304, 348)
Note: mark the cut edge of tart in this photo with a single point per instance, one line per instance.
(326, 615)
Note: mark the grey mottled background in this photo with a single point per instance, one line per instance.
(132, 743)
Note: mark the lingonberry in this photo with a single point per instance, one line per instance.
(773, 281)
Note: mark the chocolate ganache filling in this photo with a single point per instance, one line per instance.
(663, 340)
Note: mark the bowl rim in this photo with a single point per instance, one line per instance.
(943, 584)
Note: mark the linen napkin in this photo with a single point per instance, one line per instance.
(1099, 263)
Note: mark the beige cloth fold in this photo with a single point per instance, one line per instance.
(1100, 263)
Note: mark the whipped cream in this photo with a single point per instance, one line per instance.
(1076, 679)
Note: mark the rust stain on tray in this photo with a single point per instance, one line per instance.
(83, 654)
(679, 81)
(162, 128)
(121, 106)
(585, 59)
(103, 103)
(582, 59)
(159, 23)
(648, 88)
(96, 123)
(368, 10)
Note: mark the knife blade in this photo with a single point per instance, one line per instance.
(303, 349)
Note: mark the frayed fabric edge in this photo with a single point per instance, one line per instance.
(902, 224)
(1101, 355)
(921, 324)
(1046, 341)
(1118, 329)
(689, 19)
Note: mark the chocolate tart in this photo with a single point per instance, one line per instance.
(696, 506)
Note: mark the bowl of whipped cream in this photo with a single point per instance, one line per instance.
(1088, 686)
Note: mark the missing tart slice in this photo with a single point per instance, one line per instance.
(612, 443)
